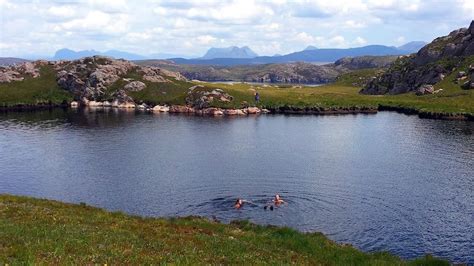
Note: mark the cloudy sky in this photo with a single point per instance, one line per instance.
(190, 27)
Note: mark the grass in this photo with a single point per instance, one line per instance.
(35, 231)
(33, 91)
(451, 100)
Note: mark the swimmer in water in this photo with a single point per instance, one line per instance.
(238, 203)
(277, 200)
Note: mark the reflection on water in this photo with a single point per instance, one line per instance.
(381, 182)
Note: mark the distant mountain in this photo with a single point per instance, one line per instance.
(230, 52)
(312, 56)
(412, 47)
(68, 54)
(9, 61)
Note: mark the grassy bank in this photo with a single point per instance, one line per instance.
(50, 232)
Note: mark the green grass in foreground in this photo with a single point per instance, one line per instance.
(31, 91)
(50, 232)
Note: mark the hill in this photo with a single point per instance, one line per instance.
(412, 47)
(87, 79)
(447, 62)
(8, 61)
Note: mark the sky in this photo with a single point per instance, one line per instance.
(189, 28)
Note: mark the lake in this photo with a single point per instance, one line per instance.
(379, 182)
(284, 85)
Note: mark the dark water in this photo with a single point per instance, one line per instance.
(380, 182)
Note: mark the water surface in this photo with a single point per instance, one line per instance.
(380, 182)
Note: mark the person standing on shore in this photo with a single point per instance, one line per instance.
(257, 98)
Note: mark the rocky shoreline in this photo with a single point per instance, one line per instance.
(212, 111)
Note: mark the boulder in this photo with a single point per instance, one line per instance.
(468, 85)
(74, 104)
(212, 111)
(9, 76)
(181, 109)
(142, 107)
(122, 100)
(461, 74)
(95, 104)
(200, 99)
(135, 86)
(233, 112)
(161, 109)
(71, 82)
(28, 68)
(425, 89)
(252, 110)
(155, 74)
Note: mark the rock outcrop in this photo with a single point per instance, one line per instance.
(89, 78)
(362, 62)
(468, 84)
(425, 89)
(135, 86)
(20, 71)
(200, 97)
(429, 66)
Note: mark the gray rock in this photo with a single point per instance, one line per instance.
(468, 85)
(135, 86)
(461, 74)
(200, 99)
(425, 89)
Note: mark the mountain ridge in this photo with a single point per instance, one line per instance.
(234, 55)
(229, 52)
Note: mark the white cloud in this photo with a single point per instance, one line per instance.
(401, 40)
(337, 41)
(205, 39)
(240, 12)
(61, 11)
(354, 24)
(109, 6)
(192, 26)
(359, 41)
